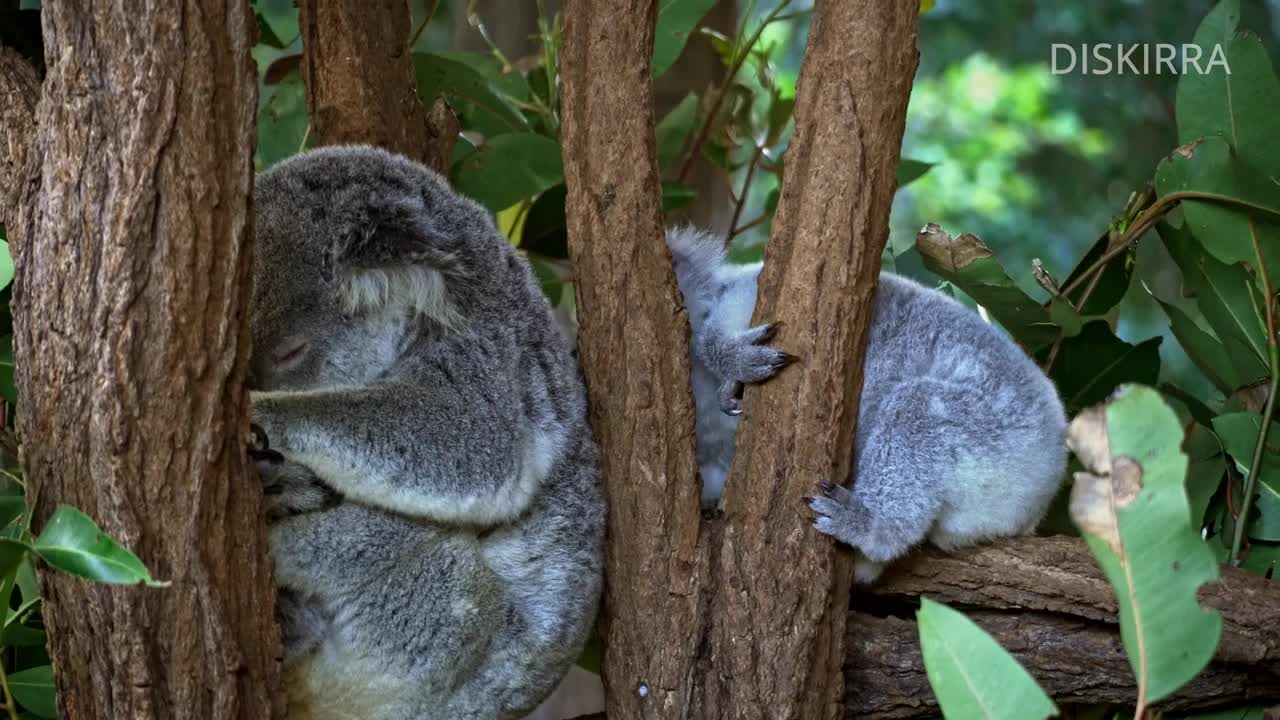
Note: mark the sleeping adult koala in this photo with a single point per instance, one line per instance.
(437, 521)
(960, 436)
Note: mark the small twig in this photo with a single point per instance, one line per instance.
(721, 92)
(738, 231)
(413, 39)
(10, 707)
(746, 190)
(1273, 355)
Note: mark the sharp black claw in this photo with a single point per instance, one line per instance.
(826, 486)
(770, 330)
(788, 359)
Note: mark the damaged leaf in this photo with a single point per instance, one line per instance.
(1131, 504)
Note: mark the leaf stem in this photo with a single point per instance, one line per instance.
(746, 189)
(10, 707)
(1273, 355)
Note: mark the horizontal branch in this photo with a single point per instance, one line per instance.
(1047, 602)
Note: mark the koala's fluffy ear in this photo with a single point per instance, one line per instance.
(395, 259)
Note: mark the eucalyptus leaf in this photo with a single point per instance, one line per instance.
(1095, 362)
(12, 553)
(6, 265)
(282, 121)
(550, 283)
(1132, 507)
(1240, 219)
(971, 675)
(674, 131)
(1205, 350)
(911, 170)
(545, 232)
(463, 86)
(510, 168)
(1239, 433)
(676, 20)
(1226, 297)
(33, 689)
(676, 196)
(1205, 469)
(73, 543)
(967, 263)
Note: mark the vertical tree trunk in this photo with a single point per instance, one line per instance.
(634, 345)
(778, 642)
(744, 617)
(360, 80)
(130, 323)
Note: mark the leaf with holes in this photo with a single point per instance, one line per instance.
(1131, 505)
(1239, 217)
(971, 675)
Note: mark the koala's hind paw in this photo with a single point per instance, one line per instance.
(839, 513)
(752, 360)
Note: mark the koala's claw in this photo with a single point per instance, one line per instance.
(836, 511)
(731, 397)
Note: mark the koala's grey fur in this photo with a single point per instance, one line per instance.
(960, 436)
(437, 520)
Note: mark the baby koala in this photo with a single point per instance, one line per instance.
(960, 436)
(437, 521)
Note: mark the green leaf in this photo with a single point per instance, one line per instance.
(1245, 210)
(282, 121)
(1206, 465)
(1065, 316)
(1111, 287)
(1239, 433)
(8, 389)
(1240, 105)
(1132, 508)
(13, 510)
(1092, 364)
(971, 675)
(968, 264)
(73, 543)
(1204, 349)
(281, 16)
(463, 86)
(510, 168)
(12, 553)
(676, 19)
(676, 196)
(33, 688)
(548, 281)
(6, 265)
(267, 35)
(674, 130)
(911, 170)
(545, 232)
(19, 635)
(1225, 295)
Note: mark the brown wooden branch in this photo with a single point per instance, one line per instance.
(131, 345)
(1047, 602)
(19, 95)
(361, 87)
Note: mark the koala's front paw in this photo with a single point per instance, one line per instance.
(750, 359)
(289, 488)
(840, 514)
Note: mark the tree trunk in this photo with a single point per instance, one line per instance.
(778, 640)
(634, 342)
(131, 342)
(360, 81)
(759, 632)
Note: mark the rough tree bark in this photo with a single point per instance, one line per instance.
(1047, 602)
(758, 633)
(359, 74)
(633, 340)
(130, 328)
(778, 640)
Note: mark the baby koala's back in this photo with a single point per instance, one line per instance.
(976, 401)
